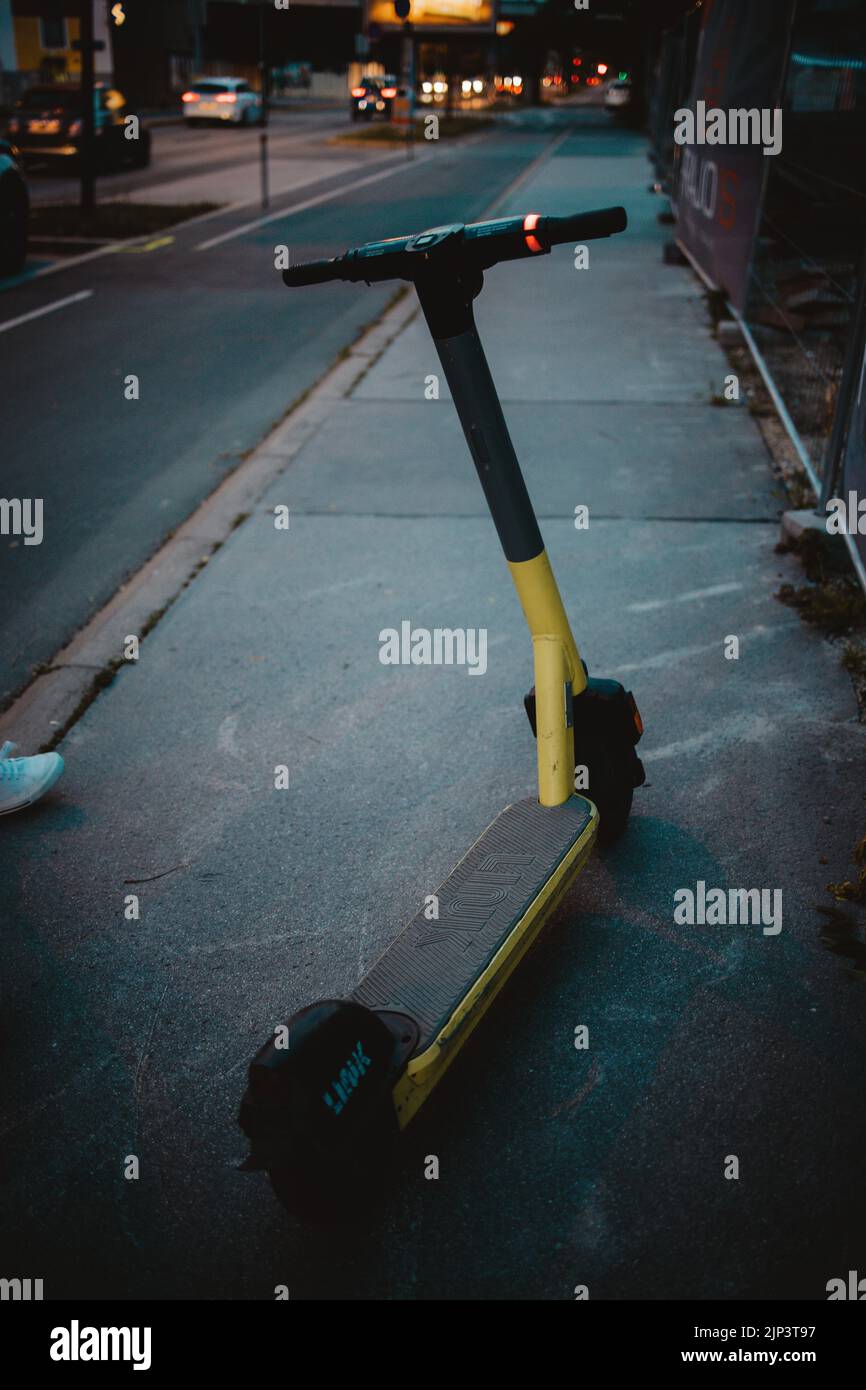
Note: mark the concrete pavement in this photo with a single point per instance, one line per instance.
(558, 1167)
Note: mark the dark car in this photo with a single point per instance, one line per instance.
(14, 210)
(373, 96)
(47, 124)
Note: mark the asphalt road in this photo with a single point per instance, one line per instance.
(178, 151)
(219, 348)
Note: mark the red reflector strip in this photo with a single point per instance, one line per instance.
(635, 714)
(531, 220)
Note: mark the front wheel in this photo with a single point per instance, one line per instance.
(610, 784)
(607, 726)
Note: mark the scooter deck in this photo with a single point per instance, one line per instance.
(444, 971)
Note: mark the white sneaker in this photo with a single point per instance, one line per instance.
(24, 780)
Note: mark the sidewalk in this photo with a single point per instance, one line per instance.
(558, 1167)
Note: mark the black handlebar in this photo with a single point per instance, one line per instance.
(584, 226)
(474, 247)
(311, 273)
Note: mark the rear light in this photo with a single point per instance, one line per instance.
(530, 222)
(227, 97)
(389, 91)
(358, 92)
(190, 96)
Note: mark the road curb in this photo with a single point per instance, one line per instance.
(52, 704)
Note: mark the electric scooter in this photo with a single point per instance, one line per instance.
(331, 1091)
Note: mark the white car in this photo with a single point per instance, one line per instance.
(222, 99)
(617, 95)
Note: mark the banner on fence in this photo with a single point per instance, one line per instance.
(739, 70)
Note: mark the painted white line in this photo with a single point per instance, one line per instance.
(694, 596)
(395, 165)
(46, 309)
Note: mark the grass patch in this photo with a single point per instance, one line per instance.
(113, 221)
(848, 891)
(386, 133)
(854, 659)
(835, 606)
(831, 601)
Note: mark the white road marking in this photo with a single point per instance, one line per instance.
(46, 309)
(714, 592)
(227, 736)
(663, 660)
(395, 165)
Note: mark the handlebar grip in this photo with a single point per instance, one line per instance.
(583, 226)
(312, 273)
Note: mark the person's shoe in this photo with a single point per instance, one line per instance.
(24, 780)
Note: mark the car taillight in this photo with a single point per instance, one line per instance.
(358, 92)
(227, 96)
(389, 91)
(190, 96)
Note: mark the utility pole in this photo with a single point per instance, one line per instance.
(402, 9)
(264, 84)
(86, 46)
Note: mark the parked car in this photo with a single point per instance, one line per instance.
(222, 99)
(14, 210)
(473, 88)
(47, 123)
(433, 89)
(504, 87)
(373, 96)
(617, 95)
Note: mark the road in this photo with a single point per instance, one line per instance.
(179, 153)
(220, 351)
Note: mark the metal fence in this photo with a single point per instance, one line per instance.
(672, 78)
(805, 280)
